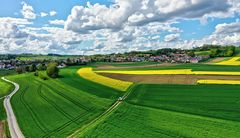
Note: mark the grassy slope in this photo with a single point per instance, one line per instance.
(57, 107)
(175, 111)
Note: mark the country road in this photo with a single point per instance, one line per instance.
(14, 129)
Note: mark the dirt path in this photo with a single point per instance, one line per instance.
(103, 115)
(14, 129)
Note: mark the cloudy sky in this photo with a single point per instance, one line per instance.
(112, 26)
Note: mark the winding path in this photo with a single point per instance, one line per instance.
(14, 129)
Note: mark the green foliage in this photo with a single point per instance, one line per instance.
(41, 67)
(42, 76)
(217, 50)
(52, 70)
(20, 70)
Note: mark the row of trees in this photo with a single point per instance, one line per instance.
(51, 69)
(217, 50)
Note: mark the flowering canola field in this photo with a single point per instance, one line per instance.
(170, 72)
(233, 61)
(218, 81)
(87, 73)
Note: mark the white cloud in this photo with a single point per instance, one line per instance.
(43, 14)
(141, 12)
(171, 37)
(52, 13)
(57, 22)
(17, 21)
(28, 11)
(228, 28)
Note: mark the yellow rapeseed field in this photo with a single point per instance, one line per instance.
(87, 73)
(233, 61)
(218, 82)
(170, 72)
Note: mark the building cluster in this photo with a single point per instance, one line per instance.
(170, 58)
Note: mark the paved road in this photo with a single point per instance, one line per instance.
(14, 129)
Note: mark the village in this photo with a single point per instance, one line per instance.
(10, 64)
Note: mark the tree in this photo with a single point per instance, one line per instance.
(191, 54)
(19, 70)
(41, 67)
(32, 68)
(52, 70)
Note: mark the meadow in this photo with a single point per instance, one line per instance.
(174, 111)
(57, 107)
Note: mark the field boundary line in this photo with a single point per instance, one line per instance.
(104, 114)
(14, 128)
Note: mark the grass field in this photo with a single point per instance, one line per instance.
(125, 64)
(57, 107)
(5, 88)
(4, 72)
(175, 111)
(194, 67)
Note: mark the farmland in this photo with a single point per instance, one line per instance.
(62, 106)
(157, 111)
(56, 107)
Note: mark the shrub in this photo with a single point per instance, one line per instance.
(42, 76)
(52, 70)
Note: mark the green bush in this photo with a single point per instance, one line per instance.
(52, 70)
(42, 76)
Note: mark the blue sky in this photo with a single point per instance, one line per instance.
(107, 26)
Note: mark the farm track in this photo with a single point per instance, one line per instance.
(72, 120)
(68, 98)
(104, 114)
(52, 103)
(40, 125)
(14, 128)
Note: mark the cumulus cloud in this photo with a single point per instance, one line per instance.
(141, 12)
(43, 14)
(228, 28)
(28, 11)
(171, 37)
(17, 21)
(9, 30)
(52, 13)
(57, 22)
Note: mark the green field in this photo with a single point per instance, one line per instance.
(44, 57)
(57, 107)
(194, 67)
(5, 88)
(203, 53)
(4, 72)
(125, 64)
(174, 111)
